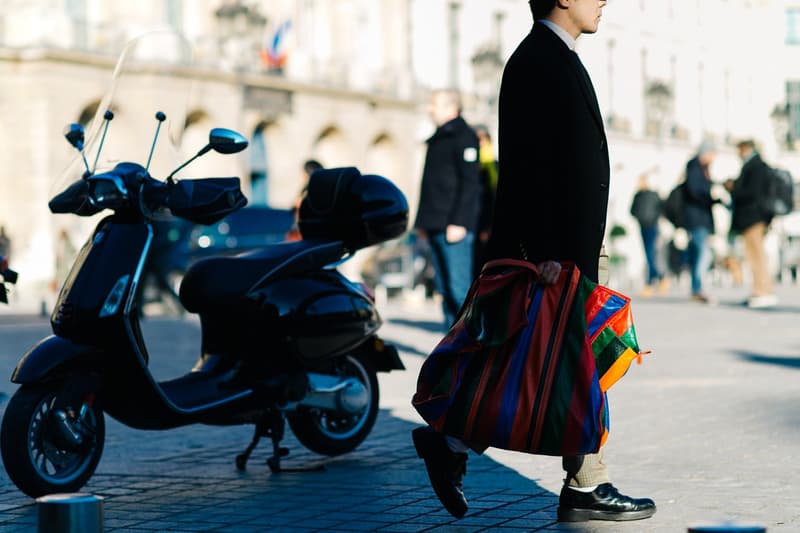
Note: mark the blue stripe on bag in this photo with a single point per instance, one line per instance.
(614, 304)
(508, 407)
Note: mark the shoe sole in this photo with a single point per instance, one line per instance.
(585, 515)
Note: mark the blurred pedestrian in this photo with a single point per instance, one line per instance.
(698, 218)
(488, 192)
(309, 167)
(5, 243)
(449, 200)
(552, 201)
(646, 209)
(750, 221)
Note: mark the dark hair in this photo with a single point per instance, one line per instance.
(749, 143)
(311, 165)
(541, 8)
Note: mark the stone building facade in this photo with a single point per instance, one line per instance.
(345, 82)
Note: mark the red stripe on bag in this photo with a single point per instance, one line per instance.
(570, 287)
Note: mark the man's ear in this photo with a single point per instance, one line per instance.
(562, 4)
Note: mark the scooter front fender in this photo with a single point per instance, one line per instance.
(49, 356)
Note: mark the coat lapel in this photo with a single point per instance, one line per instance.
(577, 68)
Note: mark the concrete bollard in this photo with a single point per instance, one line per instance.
(70, 513)
(726, 527)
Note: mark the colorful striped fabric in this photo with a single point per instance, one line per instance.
(526, 366)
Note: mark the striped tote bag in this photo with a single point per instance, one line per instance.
(526, 366)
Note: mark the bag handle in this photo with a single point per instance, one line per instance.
(513, 263)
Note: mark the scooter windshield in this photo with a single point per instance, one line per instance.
(149, 91)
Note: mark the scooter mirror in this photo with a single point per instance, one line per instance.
(226, 141)
(74, 134)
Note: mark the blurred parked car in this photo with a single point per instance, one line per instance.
(243, 230)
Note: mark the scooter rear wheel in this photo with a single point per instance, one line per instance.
(33, 457)
(330, 433)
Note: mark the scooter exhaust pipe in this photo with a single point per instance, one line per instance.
(333, 393)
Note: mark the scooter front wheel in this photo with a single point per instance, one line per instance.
(334, 433)
(40, 461)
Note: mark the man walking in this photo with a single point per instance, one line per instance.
(750, 221)
(449, 200)
(698, 217)
(551, 206)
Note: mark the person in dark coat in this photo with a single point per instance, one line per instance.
(646, 209)
(449, 200)
(698, 218)
(750, 221)
(551, 206)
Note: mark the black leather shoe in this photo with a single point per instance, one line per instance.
(604, 503)
(446, 469)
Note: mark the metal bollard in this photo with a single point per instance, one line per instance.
(70, 513)
(726, 527)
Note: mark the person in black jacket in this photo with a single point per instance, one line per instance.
(646, 209)
(449, 200)
(750, 221)
(698, 218)
(552, 199)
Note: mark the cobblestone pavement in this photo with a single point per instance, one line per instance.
(708, 426)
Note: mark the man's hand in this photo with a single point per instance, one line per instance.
(455, 233)
(549, 271)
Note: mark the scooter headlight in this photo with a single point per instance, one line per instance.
(115, 297)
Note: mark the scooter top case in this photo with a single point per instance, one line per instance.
(360, 210)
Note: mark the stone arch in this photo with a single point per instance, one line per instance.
(283, 172)
(194, 136)
(332, 149)
(385, 157)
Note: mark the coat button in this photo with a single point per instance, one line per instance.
(602, 144)
(602, 226)
(604, 185)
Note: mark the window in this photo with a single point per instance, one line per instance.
(175, 14)
(793, 99)
(793, 26)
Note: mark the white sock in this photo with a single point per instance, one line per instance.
(584, 489)
(456, 445)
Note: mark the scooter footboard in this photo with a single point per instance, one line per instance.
(384, 357)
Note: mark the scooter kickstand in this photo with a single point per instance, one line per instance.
(262, 430)
(276, 432)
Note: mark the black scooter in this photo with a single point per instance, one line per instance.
(284, 335)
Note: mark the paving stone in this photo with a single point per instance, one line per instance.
(691, 427)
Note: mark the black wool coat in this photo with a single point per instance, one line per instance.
(554, 171)
(451, 189)
(698, 200)
(748, 190)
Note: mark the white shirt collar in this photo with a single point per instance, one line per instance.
(561, 32)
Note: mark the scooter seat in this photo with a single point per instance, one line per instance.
(218, 282)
